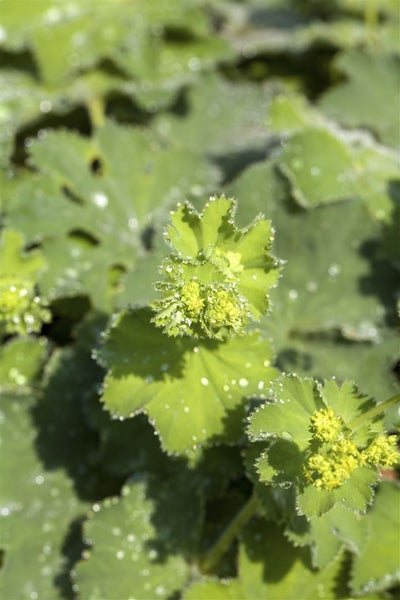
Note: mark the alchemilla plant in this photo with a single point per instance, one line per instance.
(199, 300)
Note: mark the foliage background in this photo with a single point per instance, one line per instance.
(111, 113)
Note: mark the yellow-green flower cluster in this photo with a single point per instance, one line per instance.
(326, 425)
(338, 456)
(191, 297)
(382, 451)
(21, 310)
(202, 310)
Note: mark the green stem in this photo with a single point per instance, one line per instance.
(371, 20)
(215, 553)
(95, 106)
(376, 410)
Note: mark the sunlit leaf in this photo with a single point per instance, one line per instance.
(357, 102)
(151, 372)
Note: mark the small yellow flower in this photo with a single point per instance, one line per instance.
(191, 297)
(326, 426)
(382, 451)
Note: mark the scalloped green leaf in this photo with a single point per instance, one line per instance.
(42, 503)
(295, 400)
(290, 111)
(193, 394)
(93, 200)
(21, 361)
(234, 120)
(319, 167)
(357, 103)
(327, 534)
(324, 164)
(140, 544)
(356, 494)
(376, 567)
(15, 261)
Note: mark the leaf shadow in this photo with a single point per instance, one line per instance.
(382, 281)
(64, 439)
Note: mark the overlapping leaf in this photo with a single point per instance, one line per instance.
(377, 567)
(193, 394)
(324, 164)
(358, 104)
(140, 544)
(32, 500)
(94, 198)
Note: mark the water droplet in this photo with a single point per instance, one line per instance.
(260, 385)
(334, 270)
(204, 381)
(100, 199)
(293, 294)
(243, 382)
(296, 164)
(315, 171)
(186, 409)
(33, 595)
(4, 511)
(120, 554)
(311, 286)
(42, 134)
(116, 531)
(160, 590)
(96, 507)
(39, 480)
(17, 377)
(194, 63)
(45, 106)
(226, 388)
(132, 223)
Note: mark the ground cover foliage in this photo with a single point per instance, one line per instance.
(230, 432)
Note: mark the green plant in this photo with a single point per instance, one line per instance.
(199, 300)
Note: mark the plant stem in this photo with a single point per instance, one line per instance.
(376, 410)
(215, 553)
(95, 106)
(371, 20)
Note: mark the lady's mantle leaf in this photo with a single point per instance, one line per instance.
(93, 198)
(140, 543)
(377, 566)
(32, 500)
(356, 102)
(193, 394)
